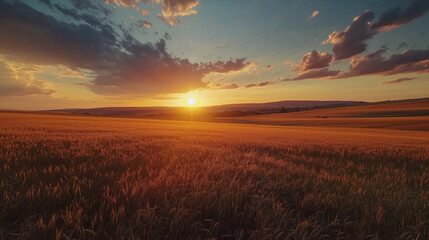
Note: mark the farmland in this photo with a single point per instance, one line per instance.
(402, 115)
(74, 177)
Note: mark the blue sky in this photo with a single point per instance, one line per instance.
(96, 53)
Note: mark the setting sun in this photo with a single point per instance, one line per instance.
(191, 101)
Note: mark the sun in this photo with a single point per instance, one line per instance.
(191, 101)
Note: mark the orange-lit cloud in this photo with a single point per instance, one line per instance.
(315, 13)
(123, 3)
(145, 24)
(315, 60)
(145, 12)
(171, 9)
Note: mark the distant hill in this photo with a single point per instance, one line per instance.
(284, 104)
(398, 108)
(174, 112)
(410, 114)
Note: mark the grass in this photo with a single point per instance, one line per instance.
(71, 177)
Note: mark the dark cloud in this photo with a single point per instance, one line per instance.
(402, 45)
(396, 17)
(35, 37)
(167, 36)
(317, 73)
(315, 60)
(409, 61)
(399, 80)
(120, 63)
(351, 41)
(261, 84)
(47, 2)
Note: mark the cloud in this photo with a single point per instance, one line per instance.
(317, 73)
(119, 64)
(351, 41)
(123, 3)
(315, 13)
(230, 67)
(261, 84)
(409, 61)
(269, 67)
(145, 24)
(402, 45)
(167, 36)
(399, 80)
(315, 60)
(51, 42)
(145, 12)
(18, 80)
(229, 86)
(171, 9)
(217, 85)
(416, 61)
(396, 17)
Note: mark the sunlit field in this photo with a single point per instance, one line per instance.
(71, 177)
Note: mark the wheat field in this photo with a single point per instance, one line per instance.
(74, 177)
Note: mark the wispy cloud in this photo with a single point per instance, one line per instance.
(261, 84)
(269, 67)
(399, 80)
(18, 80)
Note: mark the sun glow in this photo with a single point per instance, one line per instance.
(191, 101)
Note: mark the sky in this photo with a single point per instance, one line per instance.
(58, 54)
